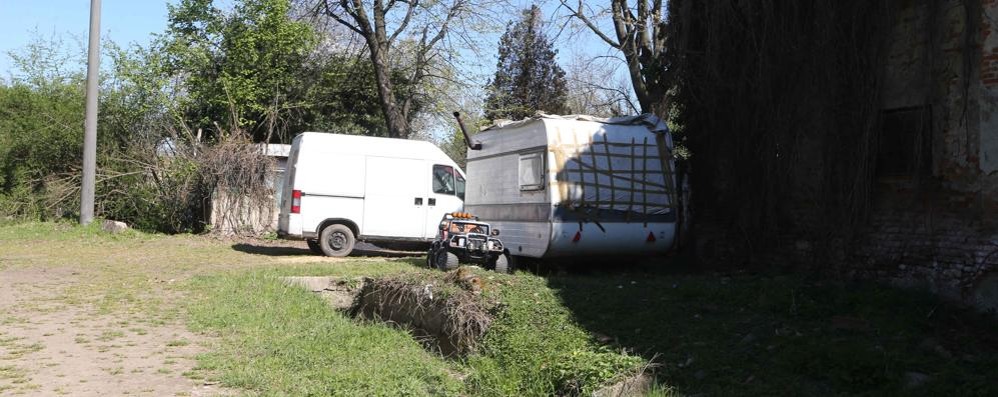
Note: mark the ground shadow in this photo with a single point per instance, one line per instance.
(362, 250)
(744, 334)
(270, 250)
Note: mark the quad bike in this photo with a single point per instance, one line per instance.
(464, 240)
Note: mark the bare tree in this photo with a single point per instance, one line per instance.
(372, 20)
(639, 32)
(595, 88)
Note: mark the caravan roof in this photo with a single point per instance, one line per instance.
(544, 130)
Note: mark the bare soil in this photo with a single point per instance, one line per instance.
(100, 317)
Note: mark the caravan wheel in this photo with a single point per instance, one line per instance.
(336, 240)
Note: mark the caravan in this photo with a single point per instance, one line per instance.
(339, 189)
(569, 186)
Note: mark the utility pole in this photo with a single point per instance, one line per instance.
(90, 128)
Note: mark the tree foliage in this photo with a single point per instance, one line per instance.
(41, 126)
(527, 79)
(242, 69)
(783, 141)
(223, 75)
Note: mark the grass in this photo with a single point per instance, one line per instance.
(708, 334)
(759, 335)
(280, 340)
(66, 232)
(535, 347)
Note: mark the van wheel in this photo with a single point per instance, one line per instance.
(446, 260)
(502, 265)
(336, 240)
(313, 246)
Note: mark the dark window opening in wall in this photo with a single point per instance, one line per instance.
(905, 143)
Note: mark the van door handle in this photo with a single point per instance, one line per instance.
(431, 201)
(419, 201)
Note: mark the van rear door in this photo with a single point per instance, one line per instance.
(283, 220)
(395, 199)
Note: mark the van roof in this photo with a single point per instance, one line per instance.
(389, 147)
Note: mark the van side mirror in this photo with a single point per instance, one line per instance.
(495, 232)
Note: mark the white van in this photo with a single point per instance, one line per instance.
(340, 189)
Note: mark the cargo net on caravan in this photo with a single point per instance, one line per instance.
(615, 175)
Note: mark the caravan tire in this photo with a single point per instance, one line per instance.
(503, 265)
(336, 240)
(313, 245)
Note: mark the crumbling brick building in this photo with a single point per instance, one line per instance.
(934, 222)
(770, 97)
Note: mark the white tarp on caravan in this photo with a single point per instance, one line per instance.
(575, 185)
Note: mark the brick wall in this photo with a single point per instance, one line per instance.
(939, 231)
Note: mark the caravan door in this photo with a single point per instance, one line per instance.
(395, 198)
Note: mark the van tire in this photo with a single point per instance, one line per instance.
(313, 245)
(502, 265)
(336, 240)
(446, 260)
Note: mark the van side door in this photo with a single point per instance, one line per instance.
(446, 194)
(395, 198)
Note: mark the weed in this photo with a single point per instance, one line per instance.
(12, 373)
(108, 336)
(16, 350)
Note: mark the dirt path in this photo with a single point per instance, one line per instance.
(97, 315)
(93, 315)
(56, 340)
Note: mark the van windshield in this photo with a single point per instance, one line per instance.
(460, 185)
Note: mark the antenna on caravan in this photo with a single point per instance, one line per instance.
(467, 138)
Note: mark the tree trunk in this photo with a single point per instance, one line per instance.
(395, 118)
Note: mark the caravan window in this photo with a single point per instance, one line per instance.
(443, 180)
(532, 171)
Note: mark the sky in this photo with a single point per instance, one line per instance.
(124, 21)
(134, 21)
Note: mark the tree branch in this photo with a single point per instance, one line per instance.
(578, 14)
(405, 21)
(328, 11)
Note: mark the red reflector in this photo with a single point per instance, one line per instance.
(651, 237)
(296, 201)
(578, 236)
